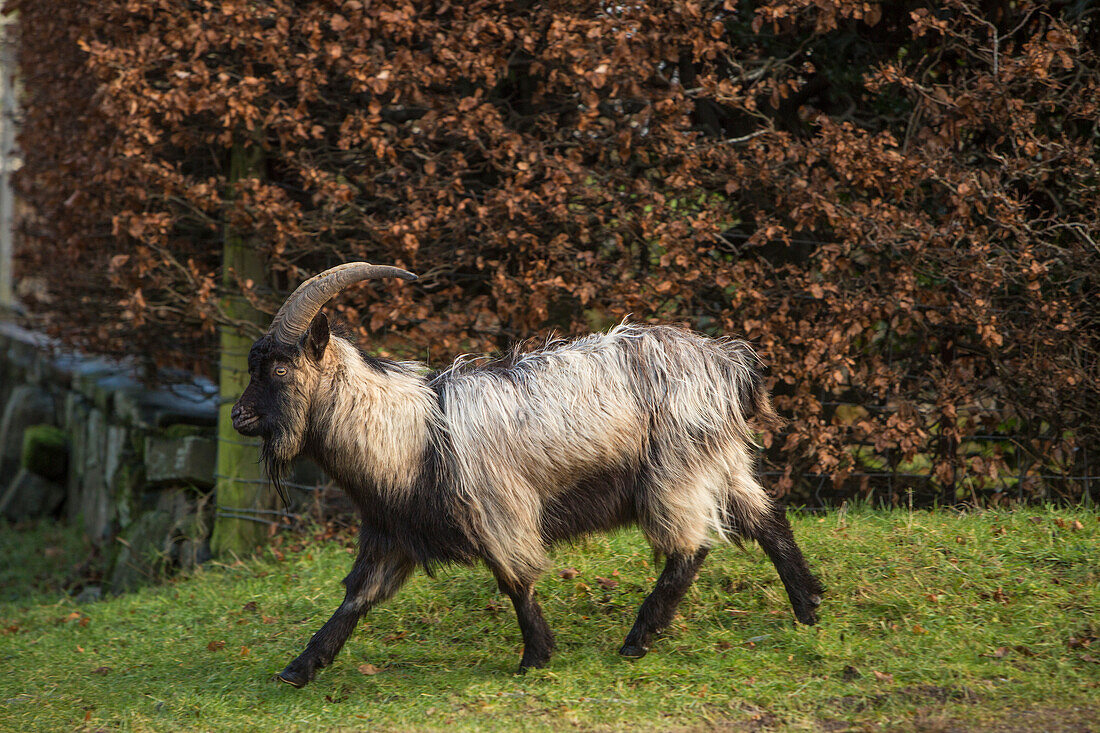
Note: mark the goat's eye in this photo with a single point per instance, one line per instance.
(280, 371)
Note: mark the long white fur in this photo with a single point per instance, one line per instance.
(635, 395)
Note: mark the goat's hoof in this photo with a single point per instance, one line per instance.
(526, 665)
(296, 678)
(806, 616)
(631, 651)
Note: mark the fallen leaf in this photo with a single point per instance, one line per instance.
(245, 651)
(1077, 524)
(568, 573)
(607, 583)
(883, 676)
(918, 629)
(369, 669)
(250, 606)
(850, 673)
(1000, 652)
(215, 646)
(1089, 658)
(101, 670)
(398, 636)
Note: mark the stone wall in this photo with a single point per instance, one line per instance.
(83, 439)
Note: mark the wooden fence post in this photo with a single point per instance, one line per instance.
(244, 497)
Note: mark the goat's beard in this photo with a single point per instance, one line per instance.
(277, 467)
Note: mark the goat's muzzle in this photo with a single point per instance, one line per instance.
(245, 421)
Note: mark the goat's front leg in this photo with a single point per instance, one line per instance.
(373, 579)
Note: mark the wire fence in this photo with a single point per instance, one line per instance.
(884, 479)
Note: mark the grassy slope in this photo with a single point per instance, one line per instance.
(942, 619)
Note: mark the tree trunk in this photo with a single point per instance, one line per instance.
(244, 495)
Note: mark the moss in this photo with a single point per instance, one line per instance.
(46, 451)
(181, 430)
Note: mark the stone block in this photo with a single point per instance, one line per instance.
(193, 403)
(30, 496)
(94, 496)
(188, 459)
(142, 556)
(172, 534)
(75, 421)
(28, 405)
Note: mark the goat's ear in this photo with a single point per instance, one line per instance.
(317, 338)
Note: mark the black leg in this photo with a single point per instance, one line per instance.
(803, 588)
(538, 640)
(372, 580)
(660, 606)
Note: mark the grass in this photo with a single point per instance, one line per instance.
(934, 621)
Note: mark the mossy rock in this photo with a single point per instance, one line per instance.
(183, 430)
(46, 451)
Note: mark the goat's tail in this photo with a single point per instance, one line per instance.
(755, 402)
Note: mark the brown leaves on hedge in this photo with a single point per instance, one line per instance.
(915, 233)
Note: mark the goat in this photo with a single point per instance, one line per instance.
(646, 425)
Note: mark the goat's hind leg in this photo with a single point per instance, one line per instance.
(774, 534)
(538, 640)
(660, 606)
(372, 580)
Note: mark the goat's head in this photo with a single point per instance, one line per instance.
(286, 363)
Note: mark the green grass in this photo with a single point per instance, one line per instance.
(933, 621)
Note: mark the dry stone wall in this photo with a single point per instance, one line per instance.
(85, 440)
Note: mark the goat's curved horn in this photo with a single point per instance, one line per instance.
(305, 302)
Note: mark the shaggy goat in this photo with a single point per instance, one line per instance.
(496, 462)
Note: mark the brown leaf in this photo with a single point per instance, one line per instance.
(215, 646)
(883, 676)
(607, 583)
(369, 669)
(568, 573)
(101, 670)
(250, 606)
